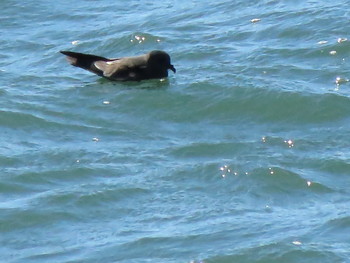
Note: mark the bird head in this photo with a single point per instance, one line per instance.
(161, 59)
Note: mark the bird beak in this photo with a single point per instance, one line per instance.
(171, 67)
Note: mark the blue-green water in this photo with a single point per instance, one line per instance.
(242, 156)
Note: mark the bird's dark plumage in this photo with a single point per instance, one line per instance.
(153, 65)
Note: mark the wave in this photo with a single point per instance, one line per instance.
(276, 253)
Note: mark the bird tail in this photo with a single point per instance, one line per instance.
(84, 61)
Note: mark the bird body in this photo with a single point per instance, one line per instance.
(153, 65)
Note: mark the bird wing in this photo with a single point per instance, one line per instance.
(130, 68)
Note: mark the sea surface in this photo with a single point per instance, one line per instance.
(242, 156)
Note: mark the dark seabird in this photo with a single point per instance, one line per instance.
(153, 65)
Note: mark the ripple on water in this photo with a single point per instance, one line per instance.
(276, 252)
(274, 181)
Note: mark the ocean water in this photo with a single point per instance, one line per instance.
(241, 156)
